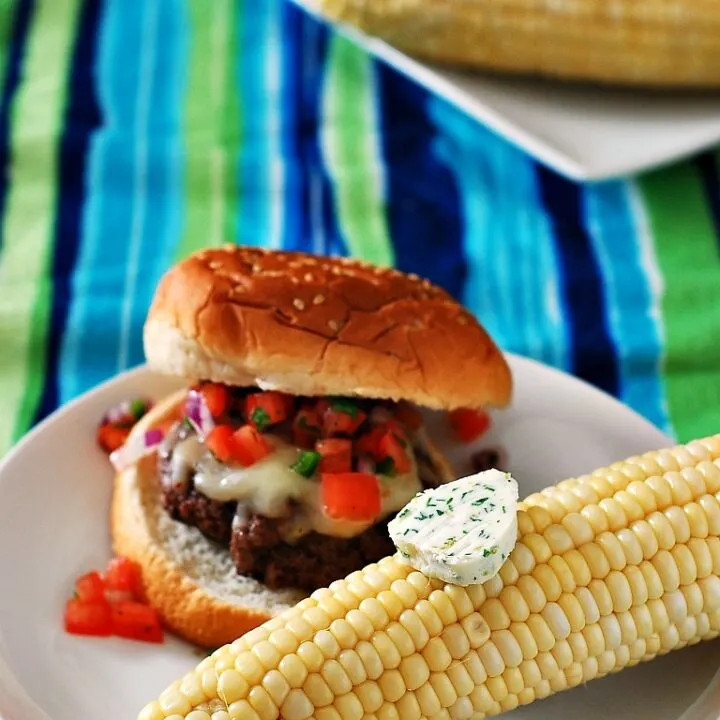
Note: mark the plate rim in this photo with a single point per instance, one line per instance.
(432, 78)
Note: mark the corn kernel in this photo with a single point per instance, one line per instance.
(386, 649)
(444, 608)
(349, 707)
(232, 687)
(317, 691)
(509, 648)
(391, 685)
(579, 568)
(360, 624)
(371, 659)
(612, 549)
(428, 700)
(596, 560)
(443, 689)
(525, 640)
(401, 639)
(415, 671)
(437, 655)
(262, 703)
(311, 656)
(297, 706)
(409, 707)
(370, 696)
(375, 613)
(532, 593)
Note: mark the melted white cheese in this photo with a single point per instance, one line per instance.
(461, 532)
(271, 488)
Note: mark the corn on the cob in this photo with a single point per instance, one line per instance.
(610, 569)
(646, 42)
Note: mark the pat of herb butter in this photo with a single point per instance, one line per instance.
(461, 532)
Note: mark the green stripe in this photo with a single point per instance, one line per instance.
(8, 10)
(352, 155)
(25, 282)
(687, 251)
(207, 172)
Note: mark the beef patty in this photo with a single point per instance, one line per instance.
(255, 544)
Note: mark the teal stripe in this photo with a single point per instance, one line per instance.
(513, 281)
(261, 166)
(95, 345)
(633, 302)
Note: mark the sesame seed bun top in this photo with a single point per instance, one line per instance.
(311, 325)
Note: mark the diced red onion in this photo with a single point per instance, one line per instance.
(122, 413)
(198, 413)
(137, 447)
(366, 465)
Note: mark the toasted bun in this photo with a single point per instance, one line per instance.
(190, 580)
(311, 325)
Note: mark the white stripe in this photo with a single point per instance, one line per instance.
(147, 52)
(656, 283)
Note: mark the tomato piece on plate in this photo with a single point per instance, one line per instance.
(110, 438)
(351, 496)
(264, 409)
(306, 428)
(468, 425)
(392, 447)
(88, 618)
(250, 445)
(409, 416)
(336, 455)
(90, 588)
(216, 397)
(123, 577)
(136, 621)
(221, 442)
(340, 417)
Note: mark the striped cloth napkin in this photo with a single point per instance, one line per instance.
(132, 133)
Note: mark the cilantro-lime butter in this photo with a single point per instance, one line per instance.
(461, 532)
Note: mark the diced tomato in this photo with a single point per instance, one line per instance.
(123, 578)
(336, 455)
(110, 438)
(216, 397)
(250, 445)
(90, 588)
(221, 442)
(369, 442)
(351, 496)
(136, 621)
(337, 420)
(468, 425)
(267, 408)
(391, 446)
(88, 618)
(306, 428)
(409, 416)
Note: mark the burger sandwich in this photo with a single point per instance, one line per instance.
(299, 435)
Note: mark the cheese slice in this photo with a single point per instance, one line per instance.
(461, 532)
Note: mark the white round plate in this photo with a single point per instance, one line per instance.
(54, 498)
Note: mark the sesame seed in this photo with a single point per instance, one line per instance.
(309, 277)
(424, 296)
(294, 280)
(214, 265)
(334, 325)
(462, 319)
(256, 268)
(414, 277)
(318, 300)
(228, 247)
(426, 284)
(299, 304)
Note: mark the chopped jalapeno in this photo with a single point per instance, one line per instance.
(138, 408)
(307, 463)
(260, 418)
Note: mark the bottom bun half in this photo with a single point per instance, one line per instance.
(191, 581)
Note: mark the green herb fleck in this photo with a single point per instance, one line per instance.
(404, 512)
(305, 425)
(448, 543)
(386, 466)
(187, 423)
(504, 509)
(137, 408)
(480, 501)
(489, 551)
(344, 405)
(260, 419)
(307, 463)
(405, 554)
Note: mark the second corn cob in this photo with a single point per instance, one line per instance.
(664, 43)
(610, 570)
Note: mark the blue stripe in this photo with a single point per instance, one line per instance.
(91, 348)
(424, 205)
(258, 28)
(632, 319)
(513, 282)
(710, 176)
(16, 47)
(82, 118)
(592, 351)
(163, 191)
(297, 185)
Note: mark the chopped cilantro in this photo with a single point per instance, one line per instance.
(304, 424)
(187, 423)
(386, 466)
(137, 408)
(344, 405)
(260, 419)
(448, 543)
